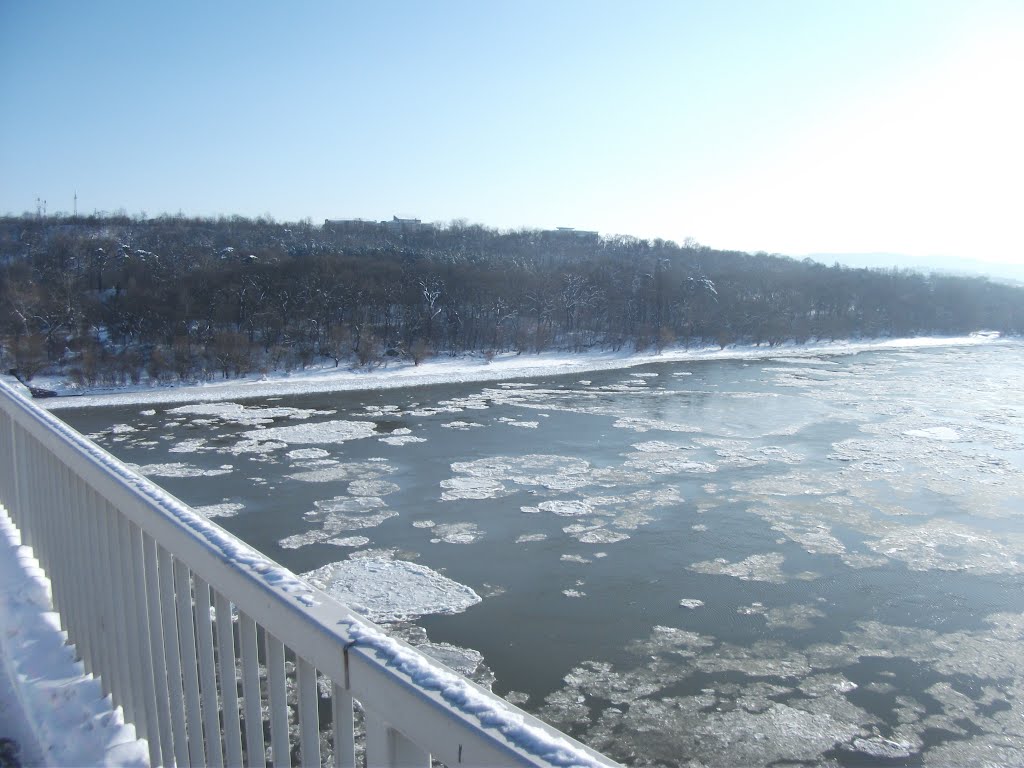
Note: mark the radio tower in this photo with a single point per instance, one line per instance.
(76, 203)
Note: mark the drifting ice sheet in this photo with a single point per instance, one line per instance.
(387, 590)
(323, 433)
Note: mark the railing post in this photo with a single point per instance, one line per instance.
(130, 626)
(156, 648)
(255, 751)
(309, 715)
(344, 734)
(172, 655)
(134, 559)
(207, 673)
(75, 558)
(388, 748)
(25, 518)
(110, 594)
(18, 503)
(280, 750)
(189, 665)
(102, 626)
(93, 657)
(228, 681)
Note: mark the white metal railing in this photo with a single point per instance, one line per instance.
(218, 655)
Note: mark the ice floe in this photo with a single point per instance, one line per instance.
(462, 426)
(308, 453)
(528, 537)
(323, 433)
(601, 536)
(402, 440)
(224, 509)
(371, 487)
(521, 424)
(950, 546)
(388, 590)
(471, 488)
(764, 567)
(194, 445)
(355, 470)
(646, 424)
(338, 515)
(566, 508)
(236, 413)
(455, 533)
(579, 559)
(798, 616)
(349, 541)
(180, 469)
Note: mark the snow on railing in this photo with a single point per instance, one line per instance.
(210, 647)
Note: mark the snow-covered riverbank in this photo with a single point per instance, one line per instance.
(457, 370)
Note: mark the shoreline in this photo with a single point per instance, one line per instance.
(461, 370)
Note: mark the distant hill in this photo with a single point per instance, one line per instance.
(949, 265)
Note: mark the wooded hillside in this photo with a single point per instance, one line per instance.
(107, 300)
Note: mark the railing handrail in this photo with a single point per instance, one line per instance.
(440, 711)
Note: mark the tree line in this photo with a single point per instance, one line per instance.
(113, 299)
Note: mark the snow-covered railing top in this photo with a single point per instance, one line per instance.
(438, 710)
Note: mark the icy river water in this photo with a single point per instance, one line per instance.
(805, 559)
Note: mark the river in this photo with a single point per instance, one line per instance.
(808, 558)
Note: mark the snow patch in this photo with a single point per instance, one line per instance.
(53, 710)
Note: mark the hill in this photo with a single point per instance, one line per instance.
(111, 299)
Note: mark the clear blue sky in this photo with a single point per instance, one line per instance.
(777, 125)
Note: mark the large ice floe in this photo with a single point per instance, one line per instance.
(179, 469)
(320, 433)
(388, 590)
(236, 413)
